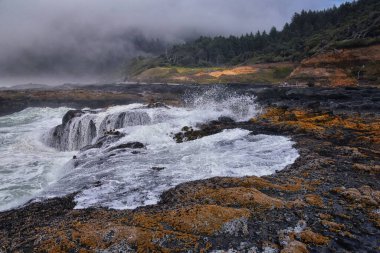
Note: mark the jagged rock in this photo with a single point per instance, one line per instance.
(337, 147)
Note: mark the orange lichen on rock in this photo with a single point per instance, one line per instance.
(192, 219)
(333, 226)
(113, 237)
(375, 217)
(375, 169)
(309, 237)
(314, 200)
(248, 197)
(320, 123)
(295, 247)
(263, 184)
(365, 196)
(325, 216)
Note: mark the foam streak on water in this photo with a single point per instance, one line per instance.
(124, 179)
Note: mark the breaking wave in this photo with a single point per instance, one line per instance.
(126, 156)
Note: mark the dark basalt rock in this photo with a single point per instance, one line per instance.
(225, 120)
(192, 135)
(158, 168)
(157, 105)
(113, 132)
(130, 145)
(103, 141)
(70, 115)
(212, 127)
(98, 144)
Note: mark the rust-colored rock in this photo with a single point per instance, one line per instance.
(365, 196)
(248, 197)
(325, 125)
(333, 226)
(295, 247)
(309, 237)
(346, 67)
(191, 220)
(367, 168)
(314, 200)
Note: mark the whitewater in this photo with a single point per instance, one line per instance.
(35, 164)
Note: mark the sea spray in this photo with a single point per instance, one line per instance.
(27, 165)
(107, 172)
(123, 178)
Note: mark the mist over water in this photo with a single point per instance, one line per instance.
(92, 40)
(125, 178)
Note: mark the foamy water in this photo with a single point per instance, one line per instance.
(26, 164)
(123, 179)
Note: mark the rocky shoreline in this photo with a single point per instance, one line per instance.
(327, 201)
(93, 96)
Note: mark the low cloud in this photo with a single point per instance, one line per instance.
(83, 37)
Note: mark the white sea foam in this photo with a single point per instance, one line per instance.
(26, 164)
(120, 179)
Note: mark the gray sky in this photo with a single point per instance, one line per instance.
(89, 28)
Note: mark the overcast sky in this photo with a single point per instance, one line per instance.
(43, 26)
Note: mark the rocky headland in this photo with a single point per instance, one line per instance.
(327, 201)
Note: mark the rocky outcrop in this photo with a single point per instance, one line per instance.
(344, 67)
(84, 129)
(327, 201)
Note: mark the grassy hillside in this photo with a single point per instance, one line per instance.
(260, 73)
(352, 25)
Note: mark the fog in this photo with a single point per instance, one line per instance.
(90, 40)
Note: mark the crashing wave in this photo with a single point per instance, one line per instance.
(82, 128)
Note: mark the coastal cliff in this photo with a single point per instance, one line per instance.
(340, 67)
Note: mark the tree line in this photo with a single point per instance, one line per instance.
(351, 24)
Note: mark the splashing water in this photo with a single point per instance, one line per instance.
(26, 164)
(125, 178)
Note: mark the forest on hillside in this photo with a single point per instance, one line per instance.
(352, 24)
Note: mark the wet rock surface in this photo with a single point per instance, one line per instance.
(327, 201)
(130, 145)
